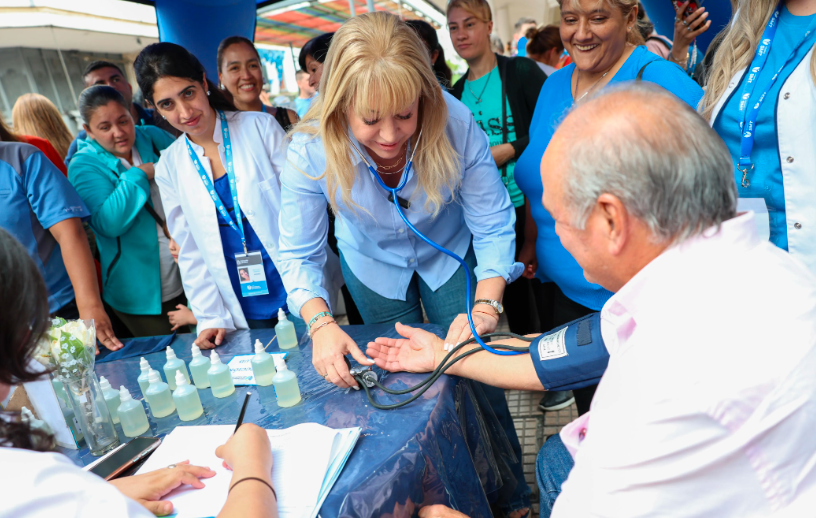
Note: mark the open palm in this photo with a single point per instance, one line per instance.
(416, 352)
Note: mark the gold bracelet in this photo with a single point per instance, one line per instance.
(315, 330)
(682, 63)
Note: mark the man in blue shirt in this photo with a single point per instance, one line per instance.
(306, 93)
(109, 74)
(43, 211)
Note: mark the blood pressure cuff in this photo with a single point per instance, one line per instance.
(572, 356)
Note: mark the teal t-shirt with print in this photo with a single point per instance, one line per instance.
(488, 114)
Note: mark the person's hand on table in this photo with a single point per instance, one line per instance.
(419, 351)
(248, 448)
(686, 29)
(485, 321)
(329, 346)
(210, 338)
(149, 488)
(104, 329)
(439, 511)
(181, 317)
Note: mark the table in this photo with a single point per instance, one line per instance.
(442, 448)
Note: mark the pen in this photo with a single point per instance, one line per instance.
(241, 415)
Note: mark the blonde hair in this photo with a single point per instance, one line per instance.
(478, 8)
(737, 50)
(35, 115)
(626, 7)
(376, 63)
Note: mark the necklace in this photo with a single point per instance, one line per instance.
(577, 79)
(392, 166)
(479, 97)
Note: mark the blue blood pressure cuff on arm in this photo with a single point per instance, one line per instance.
(572, 356)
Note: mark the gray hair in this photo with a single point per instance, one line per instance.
(663, 161)
(524, 20)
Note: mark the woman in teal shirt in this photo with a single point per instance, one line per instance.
(113, 173)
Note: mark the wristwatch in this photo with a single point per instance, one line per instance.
(492, 303)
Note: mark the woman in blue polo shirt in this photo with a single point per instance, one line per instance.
(113, 173)
(606, 49)
(774, 160)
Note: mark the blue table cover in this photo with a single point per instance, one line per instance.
(444, 448)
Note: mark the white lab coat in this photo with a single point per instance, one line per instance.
(796, 127)
(259, 152)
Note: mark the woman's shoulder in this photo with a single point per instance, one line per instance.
(654, 69)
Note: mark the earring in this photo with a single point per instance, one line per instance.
(208, 92)
(221, 86)
(629, 28)
(163, 117)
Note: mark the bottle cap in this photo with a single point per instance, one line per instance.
(171, 354)
(25, 415)
(143, 364)
(124, 395)
(280, 363)
(154, 377)
(104, 384)
(196, 351)
(180, 379)
(282, 315)
(259, 348)
(214, 359)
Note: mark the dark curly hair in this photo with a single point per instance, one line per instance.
(23, 321)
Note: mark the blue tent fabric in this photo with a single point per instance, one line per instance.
(444, 448)
(135, 347)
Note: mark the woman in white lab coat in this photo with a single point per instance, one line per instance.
(225, 158)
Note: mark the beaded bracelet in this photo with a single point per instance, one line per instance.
(318, 317)
(315, 330)
(259, 480)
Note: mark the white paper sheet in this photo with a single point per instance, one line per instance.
(303, 456)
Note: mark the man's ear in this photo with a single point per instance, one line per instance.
(616, 221)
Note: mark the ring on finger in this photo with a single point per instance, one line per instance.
(171, 466)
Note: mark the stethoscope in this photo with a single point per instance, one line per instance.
(368, 378)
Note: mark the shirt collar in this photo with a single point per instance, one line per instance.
(738, 233)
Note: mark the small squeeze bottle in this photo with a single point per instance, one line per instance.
(199, 366)
(263, 365)
(174, 364)
(111, 398)
(285, 331)
(220, 377)
(186, 398)
(131, 414)
(159, 397)
(144, 377)
(286, 386)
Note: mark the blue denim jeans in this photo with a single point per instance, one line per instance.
(553, 465)
(442, 306)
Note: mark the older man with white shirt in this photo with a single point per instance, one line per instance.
(708, 403)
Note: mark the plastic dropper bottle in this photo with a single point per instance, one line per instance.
(144, 377)
(198, 368)
(35, 424)
(174, 364)
(186, 397)
(111, 398)
(131, 414)
(286, 385)
(220, 377)
(263, 365)
(285, 331)
(159, 397)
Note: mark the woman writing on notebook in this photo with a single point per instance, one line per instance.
(53, 485)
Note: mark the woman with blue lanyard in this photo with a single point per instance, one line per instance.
(240, 75)
(606, 48)
(220, 190)
(113, 172)
(761, 99)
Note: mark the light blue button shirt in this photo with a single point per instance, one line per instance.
(376, 244)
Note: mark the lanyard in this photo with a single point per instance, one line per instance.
(749, 116)
(219, 205)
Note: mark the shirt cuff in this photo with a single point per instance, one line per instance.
(509, 274)
(300, 296)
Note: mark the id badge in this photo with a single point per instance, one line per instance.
(251, 274)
